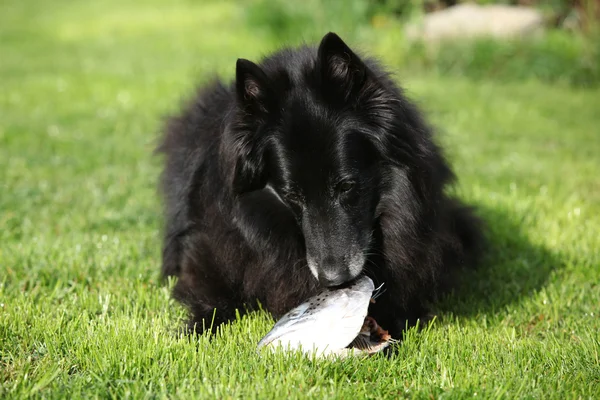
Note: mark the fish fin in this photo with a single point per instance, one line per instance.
(360, 342)
(377, 292)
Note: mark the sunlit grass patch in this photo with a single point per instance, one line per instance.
(84, 88)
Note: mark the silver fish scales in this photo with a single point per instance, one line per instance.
(334, 322)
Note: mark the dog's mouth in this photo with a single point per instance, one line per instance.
(348, 284)
(379, 290)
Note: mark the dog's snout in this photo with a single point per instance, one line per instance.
(334, 277)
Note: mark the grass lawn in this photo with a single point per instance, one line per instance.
(83, 88)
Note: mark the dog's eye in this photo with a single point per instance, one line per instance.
(345, 186)
(293, 199)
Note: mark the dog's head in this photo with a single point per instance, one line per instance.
(319, 140)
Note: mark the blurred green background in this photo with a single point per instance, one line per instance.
(569, 50)
(84, 89)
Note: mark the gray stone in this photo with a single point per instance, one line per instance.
(474, 21)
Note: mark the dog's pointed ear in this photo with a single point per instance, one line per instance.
(253, 87)
(340, 69)
(245, 143)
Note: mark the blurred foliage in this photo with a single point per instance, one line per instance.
(285, 16)
(566, 53)
(580, 14)
(557, 57)
(294, 21)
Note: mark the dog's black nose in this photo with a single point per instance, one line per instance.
(330, 278)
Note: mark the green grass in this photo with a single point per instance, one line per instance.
(83, 89)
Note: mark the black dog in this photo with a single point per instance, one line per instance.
(307, 172)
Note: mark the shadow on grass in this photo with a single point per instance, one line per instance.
(512, 268)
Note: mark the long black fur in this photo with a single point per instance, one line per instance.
(315, 151)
